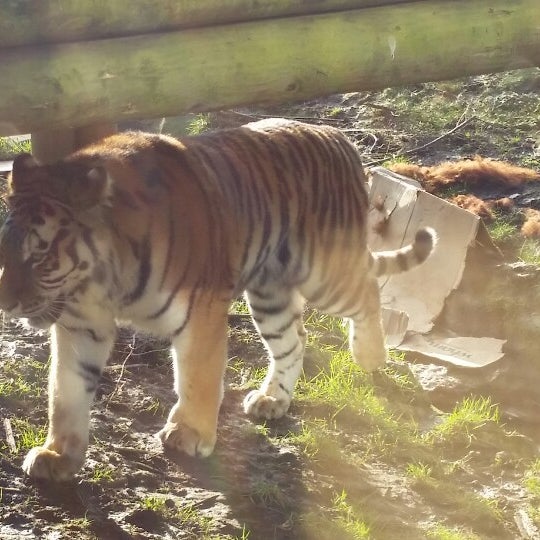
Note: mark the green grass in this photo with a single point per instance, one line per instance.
(239, 306)
(157, 504)
(22, 379)
(18, 387)
(199, 124)
(530, 252)
(27, 435)
(189, 516)
(9, 147)
(268, 493)
(532, 479)
(102, 473)
(348, 518)
(502, 229)
(342, 384)
(419, 471)
(469, 415)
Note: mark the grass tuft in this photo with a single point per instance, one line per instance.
(469, 415)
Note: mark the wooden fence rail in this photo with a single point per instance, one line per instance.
(289, 50)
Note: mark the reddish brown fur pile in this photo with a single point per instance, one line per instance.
(531, 226)
(475, 205)
(472, 171)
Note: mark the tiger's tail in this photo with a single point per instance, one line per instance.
(400, 260)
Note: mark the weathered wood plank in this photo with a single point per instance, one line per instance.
(24, 22)
(49, 145)
(268, 61)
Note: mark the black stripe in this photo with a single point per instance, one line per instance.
(286, 353)
(191, 301)
(268, 337)
(284, 389)
(92, 333)
(269, 310)
(145, 267)
(261, 295)
(91, 375)
(288, 324)
(170, 245)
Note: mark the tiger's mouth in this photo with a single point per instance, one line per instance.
(48, 315)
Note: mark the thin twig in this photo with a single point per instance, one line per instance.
(426, 145)
(122, 370)
(10, 439)
(454, 129)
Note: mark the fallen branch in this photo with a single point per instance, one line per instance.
(10, 439)
(426, 145)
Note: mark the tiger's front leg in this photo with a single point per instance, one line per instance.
(199, 360)
(78, 358)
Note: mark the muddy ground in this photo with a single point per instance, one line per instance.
(363, 478)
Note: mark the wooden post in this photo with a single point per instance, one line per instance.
(51, 145)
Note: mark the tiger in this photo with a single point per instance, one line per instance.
(162, 234)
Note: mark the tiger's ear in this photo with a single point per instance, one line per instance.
(22, 166)
(88, 190)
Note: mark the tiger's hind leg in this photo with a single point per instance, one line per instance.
(277, 315)
(366, 335)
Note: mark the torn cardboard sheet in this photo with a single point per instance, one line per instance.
(413, 300)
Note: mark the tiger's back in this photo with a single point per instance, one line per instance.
(164, 234)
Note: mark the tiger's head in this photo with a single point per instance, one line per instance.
(42, 257)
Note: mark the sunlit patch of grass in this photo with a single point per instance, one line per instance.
(313, 439)
(502, 229)
(22, 379)
(399, 373)
(342, 384)
(339, 519)
(396, 159)
(251, 376)
(27, 435)
(189, 515)
(469, 415)
(10, 147)
(419, 471)
(442, 532)
(17, 387)
(156, 504)
(151, 405)
(321, 322)
(268, 493)
(102, 473)
(532, 479)
(530, 252)
(348, 519)
(199, 124)
(239, 306)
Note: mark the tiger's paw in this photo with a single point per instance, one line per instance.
(371, 360)
(44, 464)
(179, 436)
(261, 405)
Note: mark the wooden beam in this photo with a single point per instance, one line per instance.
(270, 61)
(25, 22)
(50, 145)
